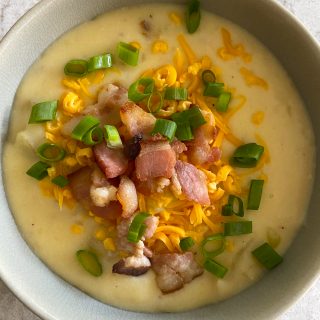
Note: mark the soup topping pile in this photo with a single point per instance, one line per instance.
(146, 162)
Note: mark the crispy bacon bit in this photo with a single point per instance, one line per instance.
(199, 150)
(152, 224)
(136, 120)
(134, 265)
(173, 270)
(178, 147)
(156, 159)
(175, 184)
(193, 182)
(127, 196)
(80, 184)
(112, 162)
(110, 97)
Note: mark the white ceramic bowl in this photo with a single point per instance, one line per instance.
(51, 297)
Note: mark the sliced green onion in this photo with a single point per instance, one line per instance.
(192, 117)
(213, 89)
(208, 76)
(38, 170)
(155, 108)
(165, 127)
(223, 102)
(267, 256)
(128, 53)
(44, 111)
(247, 155)
(237, 228)
(141, 89)
(213, 245)
(50, 152)
(112, 137)
(76, 68)
(184, 132)
(93, 136)
(84, 126)
(255, 194)
(103, 61)
(89, 262)
(193, 16)
(215, 268)
(176, 94)
(186, 243)
(60, 181)
(195, 117)
(229, 208)
(137, 227)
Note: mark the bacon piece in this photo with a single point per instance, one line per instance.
(178, 146)
(80, 184)
(151, 224)
(151, 186)
(199, 150)
(173, 270)
(193, 182)
(156, 159)
(136, 120)
(134, 265)
(110, 97)
(112, 162)
(127, 196)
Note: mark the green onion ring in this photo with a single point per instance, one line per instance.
(93, 136)
(76, 68)
(219, 237)
(50, 152)
(158, 106)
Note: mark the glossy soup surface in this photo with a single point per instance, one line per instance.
(285, 129)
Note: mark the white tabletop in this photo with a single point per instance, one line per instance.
(308, 307)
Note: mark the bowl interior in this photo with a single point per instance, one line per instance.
(31, 281)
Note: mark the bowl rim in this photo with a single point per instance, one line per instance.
(32, 14)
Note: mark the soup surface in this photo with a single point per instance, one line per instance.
(268, 111)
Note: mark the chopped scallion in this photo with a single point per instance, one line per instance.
(213, 245)
(89, 262)
(93, 136)
(255, 193)
(141, 89)
(76, 68)
(186, 243)
(44, 111)
(155, 102)
(223, 102)
(165, 127)
(208, 76)
(236, 228)
(176, 93)
(193, 16)
(215, 268)
(247, 155)
(184, 132)
(229, 208)
(103, 61)
(38, 170)
(128, 53)
(112, 137)
(60, 181)
(50, 152)
(84, 126)
(213, 89)
(137, 227)
(192, 117)
(267, 256)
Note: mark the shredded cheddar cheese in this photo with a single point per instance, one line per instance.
(160, 46)
(257, 118)
(230, 50)
(253, 80)
(175, 18)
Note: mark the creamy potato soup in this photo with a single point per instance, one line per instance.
(199, 181)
